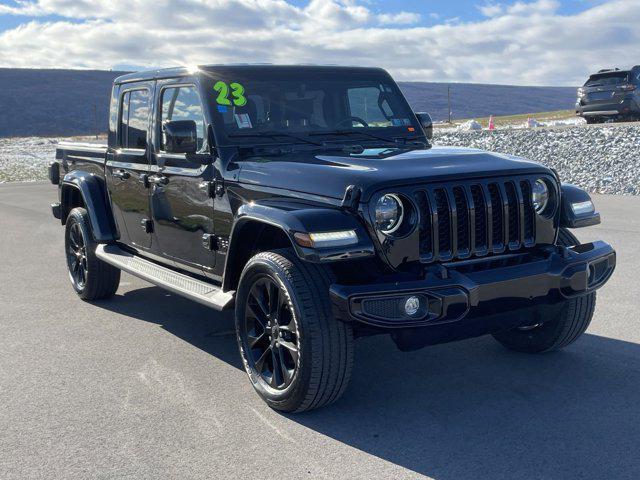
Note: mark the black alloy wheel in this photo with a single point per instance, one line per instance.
(297, 356)
(77, 257)
(92, 278)
(270, 333)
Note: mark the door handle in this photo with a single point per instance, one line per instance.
(158, 180)
(121, 174)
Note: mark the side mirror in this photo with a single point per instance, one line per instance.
(180, 136)
(426, 123)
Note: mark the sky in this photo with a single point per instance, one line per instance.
(518, 42)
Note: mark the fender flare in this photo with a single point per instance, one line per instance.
(293, 220)
(93, 193)
(571, 194)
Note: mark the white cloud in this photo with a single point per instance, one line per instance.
(524, 43)
(539, 6)
(491, 9)
(400, 18)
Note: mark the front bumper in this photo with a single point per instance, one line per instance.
(450, 292)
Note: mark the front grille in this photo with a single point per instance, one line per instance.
(474, 219)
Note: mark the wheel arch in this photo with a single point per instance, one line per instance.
(260, 228)
(82, 189)
(250, 236)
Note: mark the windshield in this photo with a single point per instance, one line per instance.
(607, 79)
(307, 104)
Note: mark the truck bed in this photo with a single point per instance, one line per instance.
(87, 156)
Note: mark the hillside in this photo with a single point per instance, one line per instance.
(61, 102)
(53, 102)
(470, 100)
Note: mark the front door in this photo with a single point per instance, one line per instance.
(181, 207)
(127, 166)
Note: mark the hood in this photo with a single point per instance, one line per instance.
(329, 175)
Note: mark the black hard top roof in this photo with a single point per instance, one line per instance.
(184, 71)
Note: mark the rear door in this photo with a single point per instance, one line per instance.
(181, 206)
(128, 165)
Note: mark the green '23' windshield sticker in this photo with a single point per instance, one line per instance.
(235, 89)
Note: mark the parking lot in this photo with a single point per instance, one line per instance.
(149, 385)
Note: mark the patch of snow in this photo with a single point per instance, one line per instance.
(565, 122)
(26, 159)
(471, 125)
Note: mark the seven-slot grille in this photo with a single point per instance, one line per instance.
(459, 221)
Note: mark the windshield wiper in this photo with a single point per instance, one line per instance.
(357, 149)
(351, 132)
(413, 142)
(399, 141)
(274, 135)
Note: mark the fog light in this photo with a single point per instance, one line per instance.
(412, 306)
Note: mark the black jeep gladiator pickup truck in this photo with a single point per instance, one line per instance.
(311, 201)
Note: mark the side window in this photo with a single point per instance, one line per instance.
(364, 103)
(113, 109)
(124, 120)
(183, 103)
(134, 119)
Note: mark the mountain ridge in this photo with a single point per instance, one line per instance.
(52, 102)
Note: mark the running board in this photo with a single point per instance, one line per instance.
(202, 292)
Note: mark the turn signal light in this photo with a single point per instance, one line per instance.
(326, 239)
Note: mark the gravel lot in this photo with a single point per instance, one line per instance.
(602, 159)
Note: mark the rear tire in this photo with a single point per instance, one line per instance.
(91, 278)
(555, 333)
(298, 357)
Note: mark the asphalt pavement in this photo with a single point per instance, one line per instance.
(149, 385)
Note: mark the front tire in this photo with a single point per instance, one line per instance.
(298, 357)
(91, 278)
(555, 333)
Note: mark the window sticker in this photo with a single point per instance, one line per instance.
(243, 120)
(237, 94)
(400, 122)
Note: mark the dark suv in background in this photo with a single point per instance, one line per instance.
(610, 95)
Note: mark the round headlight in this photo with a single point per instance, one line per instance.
(540, 195)
(389, 213)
